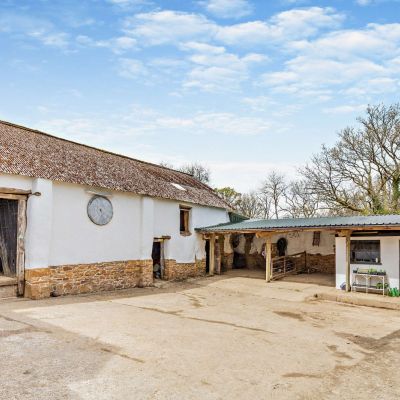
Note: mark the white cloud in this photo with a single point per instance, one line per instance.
(216, 123)
(345, 109)
(131, 68)
(287, 25)
(117, 45)
(227, 8)
(351, 62)
(53, 39)
(161, 27)
(216, 69)
(172, 27)
(129, 4)
(34, 28)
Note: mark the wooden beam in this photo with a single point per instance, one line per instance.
(15, 191)
(10, 196)
(212, 254)
(268, 258)
(348, 242)
(20, 261)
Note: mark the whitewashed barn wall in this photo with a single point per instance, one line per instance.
(297, 243)
(166, 222)
(59, 231)
(390, 250)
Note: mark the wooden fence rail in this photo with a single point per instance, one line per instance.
(290, 264)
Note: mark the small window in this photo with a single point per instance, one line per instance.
(316, 238)
(184, 218)
(365, 251)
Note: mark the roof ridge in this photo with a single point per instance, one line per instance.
(98, 149)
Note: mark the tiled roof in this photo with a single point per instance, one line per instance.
(28, 152)
(374, 221)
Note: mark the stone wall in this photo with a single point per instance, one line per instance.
(227, 261)
(174, 271)
(87, 278)
(324, 263)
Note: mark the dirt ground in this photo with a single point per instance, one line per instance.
(226, 337)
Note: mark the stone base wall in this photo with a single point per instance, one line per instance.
(322, 263)
(227, 261)
(87, 278)
(174, 271)
(255, 261)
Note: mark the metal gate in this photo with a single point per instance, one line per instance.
(8, 236)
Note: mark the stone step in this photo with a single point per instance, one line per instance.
(8, 287)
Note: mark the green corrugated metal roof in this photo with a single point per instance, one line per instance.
(299, 223)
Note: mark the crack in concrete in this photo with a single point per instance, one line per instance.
(211, 321)
(139, 360)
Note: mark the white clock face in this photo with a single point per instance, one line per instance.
(100, 210)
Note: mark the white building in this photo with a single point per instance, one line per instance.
(75, 219)
(358, 252)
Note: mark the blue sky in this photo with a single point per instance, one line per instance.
(243, 86)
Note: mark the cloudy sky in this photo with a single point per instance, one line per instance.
(243, 86)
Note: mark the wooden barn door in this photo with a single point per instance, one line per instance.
(12, 232)
(8, 237)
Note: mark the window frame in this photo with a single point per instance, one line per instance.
(353, 259)
(186, 212)
(316, 238)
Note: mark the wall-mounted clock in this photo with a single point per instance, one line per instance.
(100, 210)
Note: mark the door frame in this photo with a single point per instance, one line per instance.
(21, 196)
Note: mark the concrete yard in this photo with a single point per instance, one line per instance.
(227, 337)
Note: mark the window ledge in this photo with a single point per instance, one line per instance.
(365, 263)
(186, 233)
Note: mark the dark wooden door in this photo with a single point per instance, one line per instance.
(8, 236)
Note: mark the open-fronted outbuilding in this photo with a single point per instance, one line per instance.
(361, 252)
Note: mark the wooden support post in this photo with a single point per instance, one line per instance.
(268, 258)
(162, 258)
(348, 242)
(212, 254)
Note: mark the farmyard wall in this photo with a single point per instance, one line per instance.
(65, 253)
(87, 278)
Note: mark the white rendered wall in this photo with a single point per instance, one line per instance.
(340, 261)
(59, 231)
(75, 239)
(297, 243)
(39, 225)
(184, 249)
(15, 182)
(390, 247)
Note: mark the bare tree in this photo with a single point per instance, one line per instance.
(361, 173)
(272, 193)
(299, 201)
(199, 171)
(250, 205)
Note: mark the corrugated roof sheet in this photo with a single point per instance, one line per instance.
(28, 152)
(299, 223)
